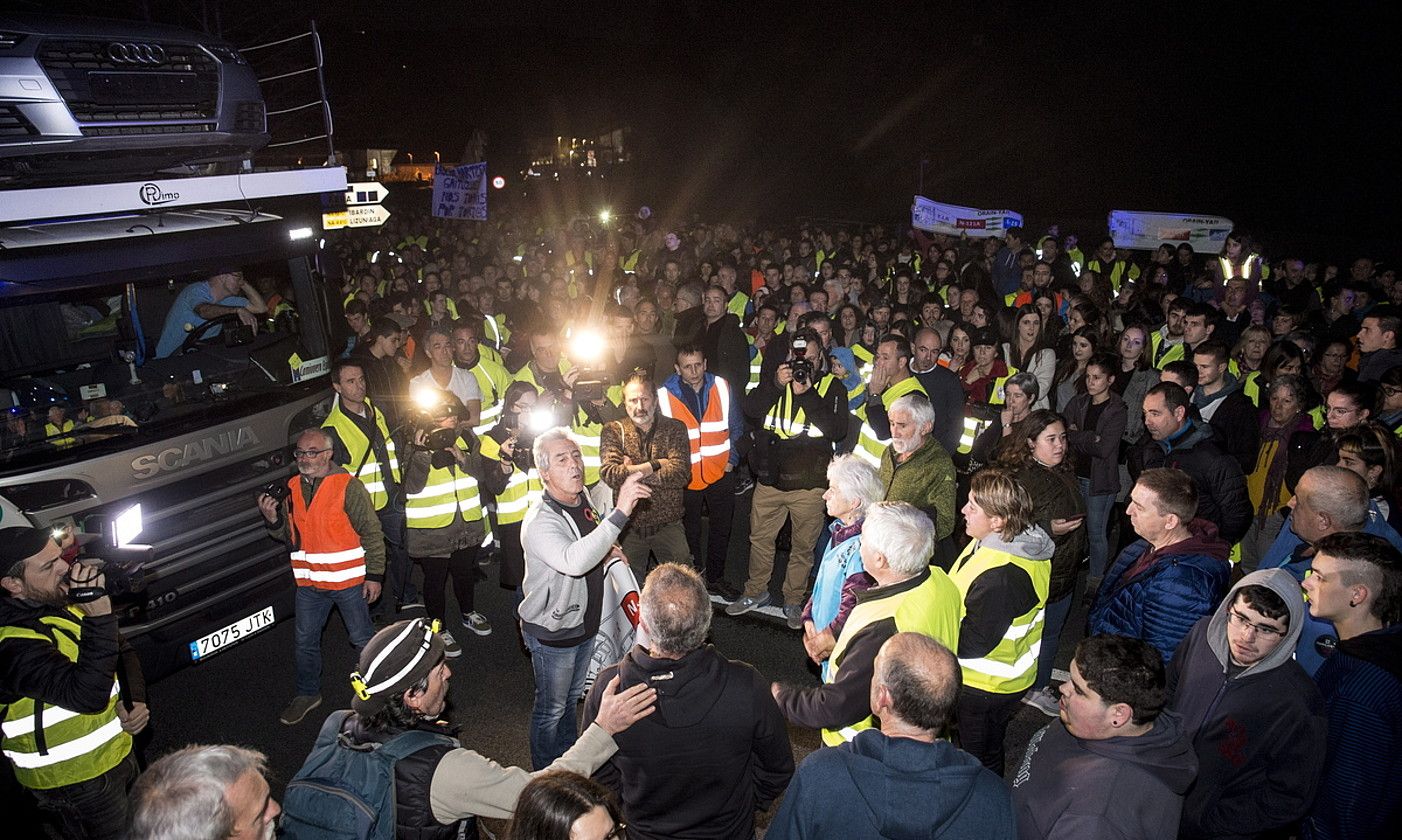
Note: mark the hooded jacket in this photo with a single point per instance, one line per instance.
(898, 788)
(1220, 482)
(1359, 795)
(1000, 595)
(1182, 583)
(1233, 419)
(1259, 731)
(1113, 789)
(715, 749)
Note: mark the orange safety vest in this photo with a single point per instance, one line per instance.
(709, 438)
(327, 553)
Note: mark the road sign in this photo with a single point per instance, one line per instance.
(367, 215)
(365, 192)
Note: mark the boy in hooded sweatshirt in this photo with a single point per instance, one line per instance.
(1255, 717)
(1116, 765)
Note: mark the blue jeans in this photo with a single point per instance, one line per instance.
(1097, 523)
(559, 685)
(313, 608)
(1057, 611)
(399, 571)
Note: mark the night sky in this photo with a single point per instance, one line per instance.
(1277, 120)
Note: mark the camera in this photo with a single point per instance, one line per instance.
(799, 365)
(278, 490)
(441, 438)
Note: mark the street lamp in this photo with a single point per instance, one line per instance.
(437, 158)
(410, 155)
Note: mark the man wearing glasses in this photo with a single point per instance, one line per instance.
(338, 557)
(1255, 718)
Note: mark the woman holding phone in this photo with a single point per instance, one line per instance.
(1038, 460)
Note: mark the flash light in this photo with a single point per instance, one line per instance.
(298, 234)
(604, 216)
(586, 345)
(541, 420)
(126, 526)
(426, 398)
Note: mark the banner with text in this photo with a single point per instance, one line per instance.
(1147, 231)
(460, 192)
(953, 219)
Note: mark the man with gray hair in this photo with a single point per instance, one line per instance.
(903, 779)
(676, 771)
(337, 553)
(1328, 500)
(909, 595)
(915, 468)
(205, 793)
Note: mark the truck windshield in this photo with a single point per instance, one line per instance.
(79, 373)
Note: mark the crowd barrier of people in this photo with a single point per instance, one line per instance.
(933, 450)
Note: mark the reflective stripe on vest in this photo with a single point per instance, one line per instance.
(709, 438)
(328, 553)
(75, 747)
(522, 489)
(358, 447)
(930, 608)
(586, 436)
(493, 392)
(756, 366)
(447, 492)
(1011, 667)
(870, 446)
(788, 420)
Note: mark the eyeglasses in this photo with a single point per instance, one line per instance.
(1338, 409)
(1245, 623)
(620, 831)
(308, 453)
(1391, 391)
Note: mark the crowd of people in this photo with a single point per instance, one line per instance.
(936, 447)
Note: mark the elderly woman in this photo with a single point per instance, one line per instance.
(852, 486)
(1020, 393)
(1002, 576)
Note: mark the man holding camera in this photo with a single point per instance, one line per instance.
(802, 412)
(70, 686)
(338, 556)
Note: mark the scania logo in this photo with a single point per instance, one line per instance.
(152, 194)
(193, 452)
(129, 52)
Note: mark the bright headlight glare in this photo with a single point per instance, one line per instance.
(587, 346)
(426, 398)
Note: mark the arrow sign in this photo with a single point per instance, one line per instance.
(369, 215)
(365, 192)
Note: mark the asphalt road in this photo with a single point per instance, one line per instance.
(235, 696)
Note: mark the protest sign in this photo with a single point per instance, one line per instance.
(1147, 231)
(460, 192)
(954, 219)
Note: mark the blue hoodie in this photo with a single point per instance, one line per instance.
(898, 788)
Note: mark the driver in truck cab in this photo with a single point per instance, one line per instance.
(224, 293)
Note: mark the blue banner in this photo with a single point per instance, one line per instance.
(460, 192)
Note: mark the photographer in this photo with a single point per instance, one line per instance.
(508, 446)
(802, 412)
(443, 482)
(338, 556)
(70, 686)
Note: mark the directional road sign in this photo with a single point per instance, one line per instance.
(365, 192)
(368, 215)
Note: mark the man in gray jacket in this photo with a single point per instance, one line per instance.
(567, 537)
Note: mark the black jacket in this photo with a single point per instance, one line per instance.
(1235, 424)
(36, 669)
(947, 397)
(715, 749)
(799, 462)
(1220, 483)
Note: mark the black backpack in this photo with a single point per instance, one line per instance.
(346, 792)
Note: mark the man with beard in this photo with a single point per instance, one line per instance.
(70, 686)
(915, 468)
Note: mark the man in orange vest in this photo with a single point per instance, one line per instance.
(338, 557)
(706, 404)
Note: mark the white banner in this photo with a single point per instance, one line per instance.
(618, 623)
(1147, 231)
(955, 219)
(460, 192)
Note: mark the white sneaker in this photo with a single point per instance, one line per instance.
(477, 623)
(451, 648)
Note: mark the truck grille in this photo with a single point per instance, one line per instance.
(134, 87)
(13, 123)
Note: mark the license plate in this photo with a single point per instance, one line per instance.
(225, 637)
